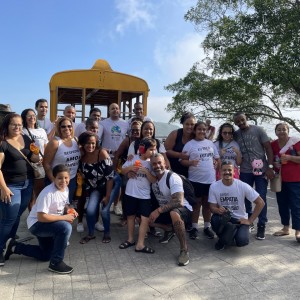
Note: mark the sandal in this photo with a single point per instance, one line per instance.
(126, 245)
(281, 232)
(106, 239)
(86, 239)
(146, 249)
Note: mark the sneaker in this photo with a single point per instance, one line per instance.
(219, 245)
(260, 235)
(99, 227)
(251, 227)
(9, 245)
(80, 227)
(193, 233)
(117, 210)
(209, 233)
(60, 268)
(2, 260)
(183, 258)
(167, 236)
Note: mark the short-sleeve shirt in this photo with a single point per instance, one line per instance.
(163, 194)
(50, 201)
(229, 155)
(114, 132)
(290, 172)
(232, 197)
(46, 124)
(138, 187)
(81, 128)
(204, 151)
(39, 136)
(251, 143)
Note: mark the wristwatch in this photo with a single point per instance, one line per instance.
(270, 166)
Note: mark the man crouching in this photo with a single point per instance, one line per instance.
(173, 210)
(227, 203)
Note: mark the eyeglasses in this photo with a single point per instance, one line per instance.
(16, 125)
(227, 132)
(66, 126)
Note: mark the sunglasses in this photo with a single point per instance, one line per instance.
(227, 132)
(66, 126)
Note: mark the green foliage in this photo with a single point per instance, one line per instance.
(253, 50)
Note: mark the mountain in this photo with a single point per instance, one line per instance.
(162, 129)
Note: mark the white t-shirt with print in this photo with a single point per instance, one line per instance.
(39, 135)
(232, 197)
(50, 201)
(138, 187)
(114, 132)
(163, 194)
(204, 151)
(229, 155)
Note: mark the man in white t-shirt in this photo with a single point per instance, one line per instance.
(139, 113)
(41, 107)
(114, 129)
(228, 196)
(173, 209)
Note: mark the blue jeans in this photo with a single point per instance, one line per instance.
(289, 204)
(10, 213)
(52, 237)
(261, 185)
(241, 236)
(105, 213)
(92, 210)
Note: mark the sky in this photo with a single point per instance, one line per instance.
(146, 38)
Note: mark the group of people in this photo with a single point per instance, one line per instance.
(119, 159)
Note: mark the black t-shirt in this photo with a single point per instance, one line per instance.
(15, 168)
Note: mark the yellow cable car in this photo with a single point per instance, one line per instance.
(96, 87)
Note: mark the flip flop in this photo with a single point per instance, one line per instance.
(146, 249)
(86, 239)
(106, 239)
(280, 233)
(126, 245)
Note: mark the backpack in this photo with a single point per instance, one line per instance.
(188, 188)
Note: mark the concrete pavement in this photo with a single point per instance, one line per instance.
(268, 269)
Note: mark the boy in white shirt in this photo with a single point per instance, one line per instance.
(50, 221)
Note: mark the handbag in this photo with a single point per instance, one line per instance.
(275, 183)
(37, 170)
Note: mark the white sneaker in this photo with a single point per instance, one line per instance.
(99, 226)
(117, 210)
(80, 227)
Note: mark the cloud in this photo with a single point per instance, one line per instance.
(137, 12)
(176, 58)
(156, 108)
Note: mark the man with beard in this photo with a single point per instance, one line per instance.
(173, 209)
(227, 203)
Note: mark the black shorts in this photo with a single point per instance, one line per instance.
(165, 218)
(136, 206)
(201, 189)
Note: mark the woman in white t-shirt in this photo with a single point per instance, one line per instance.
(203, 157)
(228, 148)
(40, 139)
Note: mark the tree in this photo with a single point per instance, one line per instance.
(253, 51)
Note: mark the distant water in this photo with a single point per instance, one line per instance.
(162, 129)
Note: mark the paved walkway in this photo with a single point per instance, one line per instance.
(267, 269)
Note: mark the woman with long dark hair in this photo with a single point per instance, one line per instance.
(16, 176)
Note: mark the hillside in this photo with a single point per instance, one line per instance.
(162, 129)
